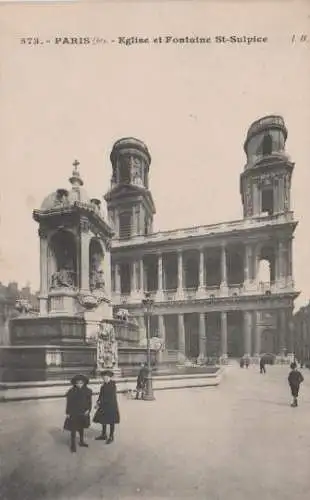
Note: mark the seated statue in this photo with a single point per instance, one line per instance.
(62, 278)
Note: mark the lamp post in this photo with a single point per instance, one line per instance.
(148, 306)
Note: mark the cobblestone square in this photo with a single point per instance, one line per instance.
(237, 441)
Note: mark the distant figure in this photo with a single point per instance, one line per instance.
(295, 378)
(141, 381)
(107, 407)
(79, 404)
(247, 362)
(262, 365)
(241, 362)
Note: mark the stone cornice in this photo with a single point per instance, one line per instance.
(253, 228)
(122, 193)
(244, 303)
(270, 165)
(83, 209)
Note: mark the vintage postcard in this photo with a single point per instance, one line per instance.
(154, 250)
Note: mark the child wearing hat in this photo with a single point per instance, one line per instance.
(107, 407)
(78, 407)
(295, 378)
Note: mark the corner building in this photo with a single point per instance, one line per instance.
(224, 289)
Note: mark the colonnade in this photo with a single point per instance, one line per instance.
(250, 333)
(281, 263)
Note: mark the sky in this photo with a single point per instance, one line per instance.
(192, 105)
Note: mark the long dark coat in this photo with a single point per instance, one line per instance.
(79, 401)
(142, 377)
(108, 412)
(295, 378)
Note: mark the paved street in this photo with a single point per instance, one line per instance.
(238, 441)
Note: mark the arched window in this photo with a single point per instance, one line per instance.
(267, 144)
(266, 268)
(63, 249)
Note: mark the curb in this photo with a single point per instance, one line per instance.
(10, 394)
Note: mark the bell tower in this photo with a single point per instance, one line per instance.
(265, 183)
(129, 201)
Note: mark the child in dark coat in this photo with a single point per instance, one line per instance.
(295, 378)
(107, 407)
(79, 404)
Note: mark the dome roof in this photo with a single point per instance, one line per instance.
(130, 144)
(266, 123)
(62, 197)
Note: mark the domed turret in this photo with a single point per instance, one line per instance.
(265, 137)
(266, 181)
(130, 203)
(130, 160)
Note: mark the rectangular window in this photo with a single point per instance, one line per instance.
(267, 201)
(125, 225)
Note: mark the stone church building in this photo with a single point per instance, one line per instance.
(224, 289)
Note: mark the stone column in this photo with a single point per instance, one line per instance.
(202, 336)
(283, 331)
(276, 203)
(249, 273)
(223, 269)
(117, 278)
(141, 274)
(180, 273)
(44, 285)
(160, 272)
(224, 334)
(133, 221)
(84, 264)
(257, 335)
(289, 262)
(162, 336)
(134, 286)
(256, 263)
(161, 327)
(256, 200)
(247, 332)
(116, 222)
(181, 333)
(281, 194)
(202, 283)
(246, 264)
(281, 262)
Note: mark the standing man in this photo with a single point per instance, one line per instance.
(141, 381)
(262, 364)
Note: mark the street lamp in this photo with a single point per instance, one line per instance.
(148, 306)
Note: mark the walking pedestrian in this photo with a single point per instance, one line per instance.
(141, 381)
(242, 362)
(247, 362)
(295, 378)
(262, 365)
(107, 407)
(78, 408)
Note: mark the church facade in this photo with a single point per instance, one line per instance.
(223, 290)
